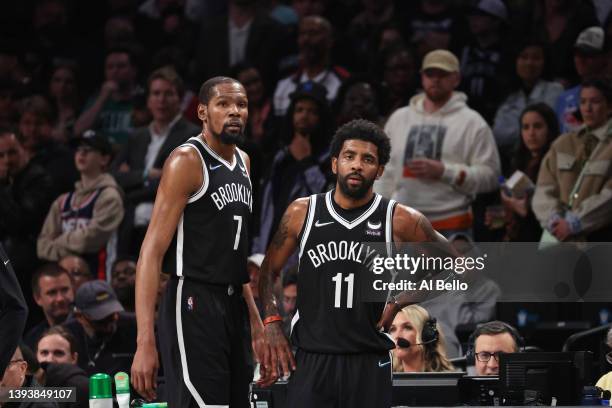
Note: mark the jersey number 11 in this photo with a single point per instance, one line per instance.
(350, 280)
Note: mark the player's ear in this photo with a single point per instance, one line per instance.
(202, 111)
(381, 170)
(334, 165)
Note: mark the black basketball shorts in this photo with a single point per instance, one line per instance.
(341, 381)
(205, 345)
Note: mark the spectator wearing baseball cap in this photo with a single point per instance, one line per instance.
(105, 335)
(442, 152)
(558, 24)
(484, 62)
(589, 60)
(300, 167)
(83, 221)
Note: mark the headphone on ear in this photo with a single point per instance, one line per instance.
(470, 355)
(429, 334)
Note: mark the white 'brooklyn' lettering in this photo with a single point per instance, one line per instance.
(341, 251)
(230, 193)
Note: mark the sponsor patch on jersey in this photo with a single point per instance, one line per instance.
(374, 226)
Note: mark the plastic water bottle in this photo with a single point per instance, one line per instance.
(122, 389)
(100, 391)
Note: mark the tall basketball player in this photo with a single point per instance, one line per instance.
(342, 357)
(198, 235)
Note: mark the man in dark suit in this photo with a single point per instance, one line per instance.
(138, 166)
(241, 36)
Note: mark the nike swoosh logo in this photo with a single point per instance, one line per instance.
(7, 262)
(210, 166)
(381, 364)
(322, 224)
(374, 226)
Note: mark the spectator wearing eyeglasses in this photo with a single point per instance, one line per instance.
(104, 333)
(15, 376)
(78, 269)
(490, 340)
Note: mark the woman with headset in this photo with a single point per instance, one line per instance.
(420, 345)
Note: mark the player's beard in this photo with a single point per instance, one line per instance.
(231, 138)
(355, 192)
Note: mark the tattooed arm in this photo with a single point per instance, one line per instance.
(281, 248)
(410, 226)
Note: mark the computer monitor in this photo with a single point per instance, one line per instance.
(480, 391)
(426, 389)
(531, 378)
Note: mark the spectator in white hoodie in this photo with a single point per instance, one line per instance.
(443, 153)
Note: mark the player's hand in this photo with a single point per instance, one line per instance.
(260, 347)
(144, 371)
(426, 168)
(387, 317)
(280, 352)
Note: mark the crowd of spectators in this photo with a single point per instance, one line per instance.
(94, 96)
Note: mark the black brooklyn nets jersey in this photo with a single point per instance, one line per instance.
(210, 244)
(331, 317)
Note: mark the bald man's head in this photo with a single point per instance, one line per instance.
(314, 39)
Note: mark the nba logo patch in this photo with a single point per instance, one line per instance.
(190, 303)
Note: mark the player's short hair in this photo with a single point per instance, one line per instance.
(207, 91)
(52, 269)
(168, 74)
(361, 129)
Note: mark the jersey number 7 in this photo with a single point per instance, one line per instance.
(237, 240)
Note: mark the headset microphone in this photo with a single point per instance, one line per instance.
(403, 343)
